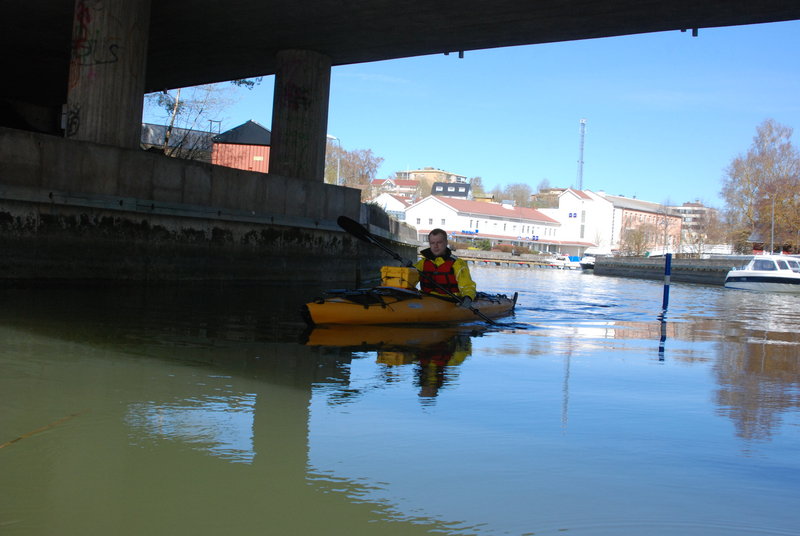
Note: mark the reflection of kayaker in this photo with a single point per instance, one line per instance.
(433, 352)
(436, 362)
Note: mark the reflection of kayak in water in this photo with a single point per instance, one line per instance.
(385, 337)
(434, 351)
(390, 305)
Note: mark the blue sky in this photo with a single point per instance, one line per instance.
(666, 112)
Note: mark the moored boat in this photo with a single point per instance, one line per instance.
(392, 305)
(772, 273)
(564, 262)
(587, 262)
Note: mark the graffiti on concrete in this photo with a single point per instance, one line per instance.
(89, 46)
(297, 97)
(73, 123)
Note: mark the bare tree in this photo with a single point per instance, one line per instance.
(476, 186)
(637, 240)
(187, 114)
(763, 186)
(520, 193)
(355, 168)
(707, 229)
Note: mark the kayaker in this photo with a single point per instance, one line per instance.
(438, 264)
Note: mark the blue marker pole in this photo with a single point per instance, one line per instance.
(663, 316)
(667, 273)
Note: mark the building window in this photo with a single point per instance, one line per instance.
(430, 221)
(442, 222)
(419, 221)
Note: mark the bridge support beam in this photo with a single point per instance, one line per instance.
(300, 115)
(107, 71)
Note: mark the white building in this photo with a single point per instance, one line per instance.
(402, 187)
(500, 223)
(586, 218)
(394, 205)
(603, 219)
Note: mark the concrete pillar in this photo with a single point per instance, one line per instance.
(300, 115)
(107, 71)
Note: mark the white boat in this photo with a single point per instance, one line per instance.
(563, 262)
(587, 262)
(772, 273)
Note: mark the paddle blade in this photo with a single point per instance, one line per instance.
(354, 228)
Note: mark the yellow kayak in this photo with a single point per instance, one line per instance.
(392, 305)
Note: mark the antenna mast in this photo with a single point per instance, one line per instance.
(580, 155)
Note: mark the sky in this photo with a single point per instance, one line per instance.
(665, 112)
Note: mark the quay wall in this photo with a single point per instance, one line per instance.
(702, 271)
(710, 271)
(503, 259)
(77, 211)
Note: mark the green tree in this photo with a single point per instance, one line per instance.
(763, 186)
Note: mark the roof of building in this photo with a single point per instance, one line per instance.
(480, 208)
(579, 193)
(542, 240)
(635, 204)
(249, 133)
(453, 189)
(411, 183)
(397, 197)
(155, 134)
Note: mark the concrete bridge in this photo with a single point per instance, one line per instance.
(78, 200)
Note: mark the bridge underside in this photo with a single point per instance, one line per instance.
(200, 41)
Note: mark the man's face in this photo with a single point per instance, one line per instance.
(438, 244)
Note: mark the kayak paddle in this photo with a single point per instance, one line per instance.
(360, 232)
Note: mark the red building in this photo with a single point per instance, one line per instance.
(243, 147)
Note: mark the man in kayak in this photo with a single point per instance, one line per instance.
(439, 265)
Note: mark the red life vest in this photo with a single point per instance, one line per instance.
(443, 275)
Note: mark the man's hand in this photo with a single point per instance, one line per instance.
(466, 302)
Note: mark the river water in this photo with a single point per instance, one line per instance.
(214, 411)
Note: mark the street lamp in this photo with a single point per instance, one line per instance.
(772, 236)
(338, 157)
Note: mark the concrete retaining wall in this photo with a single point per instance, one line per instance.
(703, 271)
(32, 162)
(78, 211)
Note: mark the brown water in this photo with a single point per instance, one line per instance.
(208, 411)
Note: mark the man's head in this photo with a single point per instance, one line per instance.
(437, 239)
